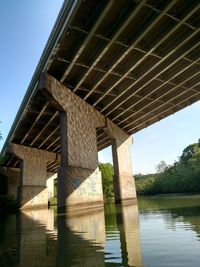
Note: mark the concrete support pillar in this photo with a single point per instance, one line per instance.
(50, 184)
(79, 179)
(32, 190)
(124, 184)
(13, 182)
(13, 177)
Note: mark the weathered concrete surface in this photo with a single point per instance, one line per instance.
(50, 184)
(124, 184)
(82, 189)
(31, 196)
(32, 191)
(79, 149)
(79, 180)
(79, 123)
(13, 178)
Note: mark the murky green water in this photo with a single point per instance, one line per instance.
(165, 233)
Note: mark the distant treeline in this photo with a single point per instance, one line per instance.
(182, 177)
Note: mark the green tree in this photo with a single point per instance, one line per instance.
(190, 153)
(182, 177)
(161, 167)
(107, 179)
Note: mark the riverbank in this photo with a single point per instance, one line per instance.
(170, 195)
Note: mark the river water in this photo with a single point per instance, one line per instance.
(165, 232)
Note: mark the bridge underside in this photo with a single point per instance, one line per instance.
(135, 62)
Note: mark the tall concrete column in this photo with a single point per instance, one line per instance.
(124, 183)
(32, 190)
(79, 178)
(50, 184)
(13, 182)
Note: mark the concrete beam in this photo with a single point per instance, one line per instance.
(24, 152)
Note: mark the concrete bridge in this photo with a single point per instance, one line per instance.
(109, 69)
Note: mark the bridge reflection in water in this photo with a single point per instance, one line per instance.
(169, 226)
(44, 238)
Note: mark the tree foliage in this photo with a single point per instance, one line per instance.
(161, 167)
(107, 179)
(182, 177)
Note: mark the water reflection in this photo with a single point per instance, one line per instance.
(170, 230)
(128, 224)
(174, 209)
(43, 238)
(8, 241)
(81, 239)
(122, 223)
(34, 230)
(170, 236)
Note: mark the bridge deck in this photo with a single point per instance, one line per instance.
(136, 62)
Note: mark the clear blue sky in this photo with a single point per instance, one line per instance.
(24, 29)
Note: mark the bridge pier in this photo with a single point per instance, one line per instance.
(13, 182)
(79, 179)
(124, 183)
(50, 184)
(32, 190)
(12, 176)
